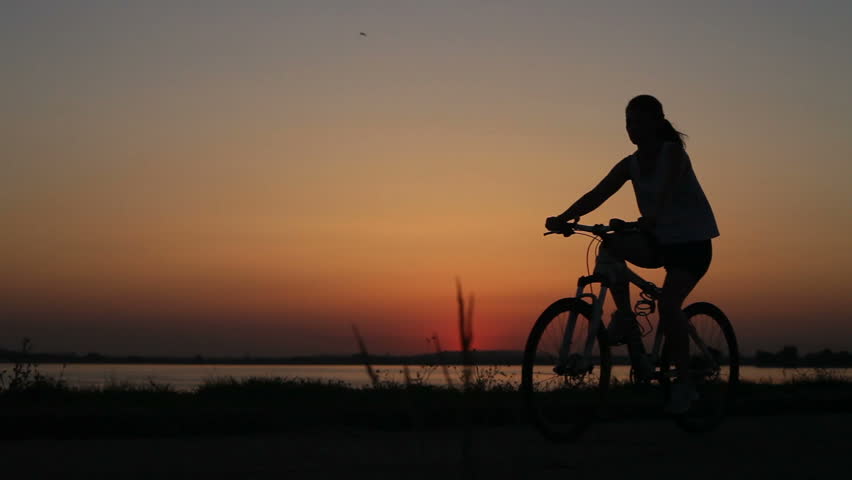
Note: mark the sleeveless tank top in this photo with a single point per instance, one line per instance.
(688, 217)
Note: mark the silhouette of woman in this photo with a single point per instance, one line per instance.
(676, 229)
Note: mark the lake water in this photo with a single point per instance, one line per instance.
(188, 377)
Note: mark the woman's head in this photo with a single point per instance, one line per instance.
(646, 122)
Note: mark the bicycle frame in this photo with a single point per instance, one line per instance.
(607, 268)
(563, 392)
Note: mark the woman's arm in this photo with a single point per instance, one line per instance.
(616, 177)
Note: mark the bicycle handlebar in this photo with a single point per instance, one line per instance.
(615, 225)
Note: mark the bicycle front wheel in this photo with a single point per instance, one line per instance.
(566, 372)
(714, 366)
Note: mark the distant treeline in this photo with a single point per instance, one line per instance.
(451, 358)
(787, 356)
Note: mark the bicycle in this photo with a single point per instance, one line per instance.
(564, 393)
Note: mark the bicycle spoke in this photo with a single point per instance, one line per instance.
(708, 350)
(558, 380)
(713, 366)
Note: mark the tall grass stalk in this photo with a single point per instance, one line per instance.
(365, 357)
(444, 365)
(466, 337)
(465, 332)
(407, 375)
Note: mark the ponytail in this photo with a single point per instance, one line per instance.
(667, 132)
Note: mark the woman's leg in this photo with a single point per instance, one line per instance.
(676, 287)
(637, 249)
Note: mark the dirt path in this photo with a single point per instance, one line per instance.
(812, 446)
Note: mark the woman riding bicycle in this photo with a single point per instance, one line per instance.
(675, 230)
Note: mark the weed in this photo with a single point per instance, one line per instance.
(25, 374)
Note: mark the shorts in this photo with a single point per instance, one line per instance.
(694, 257)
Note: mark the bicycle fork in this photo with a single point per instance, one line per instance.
(580, 363)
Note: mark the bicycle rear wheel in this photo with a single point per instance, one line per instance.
(714, 367)
(564, 393)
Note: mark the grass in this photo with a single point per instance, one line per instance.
(32, 404)
(487, 384)
(35, 405)
(257, 405)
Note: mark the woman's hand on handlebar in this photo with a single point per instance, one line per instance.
(554, 224)
(558, 224)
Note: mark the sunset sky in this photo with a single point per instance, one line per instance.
(230, 178)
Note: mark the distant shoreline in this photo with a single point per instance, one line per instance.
(824, 359)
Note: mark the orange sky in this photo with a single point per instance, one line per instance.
(255, 179)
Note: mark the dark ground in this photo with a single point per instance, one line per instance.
(778, 446)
